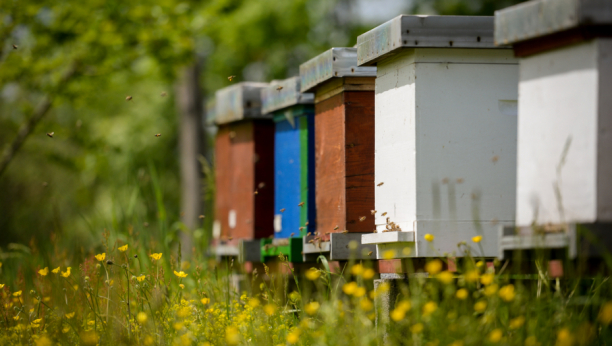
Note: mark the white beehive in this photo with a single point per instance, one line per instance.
(445, 136)
(564, 167)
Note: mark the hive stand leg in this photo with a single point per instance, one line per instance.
(385, 303)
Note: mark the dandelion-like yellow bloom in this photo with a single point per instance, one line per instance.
(359, 292)
(417, 328)
(37, 321)
(507, 293)
(496, 335)
(254, 302)
(480, 306)
(43, 341)
(181, 286)
(472, 276)
(180, 274)
(293, 337)
(270, 309)
(429, 308)
(487, 279)
(429, 237)
(56, 270)
(357, 269)
(477, 239)
(404, 305)
(232, 335)
(66, 329)
(17, 294)
(564, 337)
(123, 248)
(516, 323)
(480, 264)
(312, 308)
(141, 278)
(531, 341)
(433, 267)
(398, 314)
(389, 254)
(141, 317)
(1, 286)
(368, 273)
(155, 256)
(445, 277)
(67, 272)
(100, 257)
(366, 304)
(16, 318)
(205, 301)
(44, 272)
(312, 274)
(462, 293)
(605, 314)
(490, 290)
(70, 315)
(349, 288)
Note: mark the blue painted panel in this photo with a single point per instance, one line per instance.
(286, 179)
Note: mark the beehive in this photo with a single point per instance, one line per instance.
(244, 151)
(294, 188)
(445, 135)
(344, 149)
(565, 122)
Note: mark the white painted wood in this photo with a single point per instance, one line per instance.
(558, 136)
(445, 148)
(387, 237)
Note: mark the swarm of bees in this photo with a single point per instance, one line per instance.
(380, 184)
(301, 204)
(50, 134)
(390, 226)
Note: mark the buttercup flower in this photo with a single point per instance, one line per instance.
(480, 306)
(100, 257)
(67, 272)
(17, 294)
(44, 272)
(141, 317)
(350, 288)
(181, 286)
(1, 286)
(433, 267)
(56, 270)
(312, 274)
(180, 274)
(389, 254)
(605, 314)
(462, 293)
(205, 300)
(368, 273)
(417, 328)
(429, 308)
(495, 335)
(123, 248)
(312, 308)
(487, 279)
(477, 239)
(429, 237)
(269, 309)
(156, 256)
(507, 293)
(517, 323)
(445, 277)
(141, 278)
(70, 315)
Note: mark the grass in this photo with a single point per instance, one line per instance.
(121, 297)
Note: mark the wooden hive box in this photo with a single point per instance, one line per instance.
(445, 136)
(294, 186)
(564, 173)
(244, 151)
(344, 150)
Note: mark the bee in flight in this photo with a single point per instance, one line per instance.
(370, 253)
(262, 185)
(373, 212)
(362, 218)
(163, 94)
(50, 134)
(15, 46)
(282, 210)
(279, 88)
(301, 204)
(335, 228)
(230, 238)
(302, 228)
(306, 224)
(383, 214)
(201, 216)
(128, 98)
(256, 192)
(345, 231)
(380, 184)
(292, 234)
(231, 78)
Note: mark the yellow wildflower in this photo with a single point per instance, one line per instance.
(507, 293)
(366, 304)
(368, 273)
(155, 256)
(429, 308)
(123, 248)
(349, 288)
(496, 335)
(44, 272)
(270, 309)
(70, 315)
(66, 273)
(293, 337)
(433, 267)
(462, 293)
(312, 274)
(517, 323)
(487, 279)
(37, 321)
(180, 274)
(43, 341)
(398, 314)
(141, 317)
(605, 314)
(101, 257)
(357, 269)
(429, 237)
(417, 328)
(472, 276)
(66, 329)
(16, 318)
(254, 302)
(477, 239)
(141, 278)
(232, 335)
(359, 292)
(205, 300)
(445, 277)
(531, 341)
(1, 286)
(490, 290)
(17, 294)
(404, 305)
(564, 338)
(312, 308)
(56, 270)
(389, 254)
(480, 306)
(480, 264)
(181, 286)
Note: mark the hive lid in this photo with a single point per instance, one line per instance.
(336, 62)
(424, 32)
(238, 102)
(540, 18)
(281, 94)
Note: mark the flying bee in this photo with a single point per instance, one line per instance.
(495, 158)
(292, 234)
(110, 263)
(380, 184)
(231, 78)
(163, 94)
(373, 212)
(459, 180)
(335, 228)
(262, 185)
(301, 204)
(15, 46)
(370, 253)
(50, 134)
(345, 231)
(302, 228)
(361, 219)
(128, 98)
(201, 216)
(383, 214)
(256, 192)
(311, 241)
(158, 135)
(279, 88)
(230, 238)
(326, 233)
(306, 224)
(282, 210)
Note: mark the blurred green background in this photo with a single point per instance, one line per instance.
(104, 168)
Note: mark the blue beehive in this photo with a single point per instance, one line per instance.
(294, 191)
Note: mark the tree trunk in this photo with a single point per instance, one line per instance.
(192, 144)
